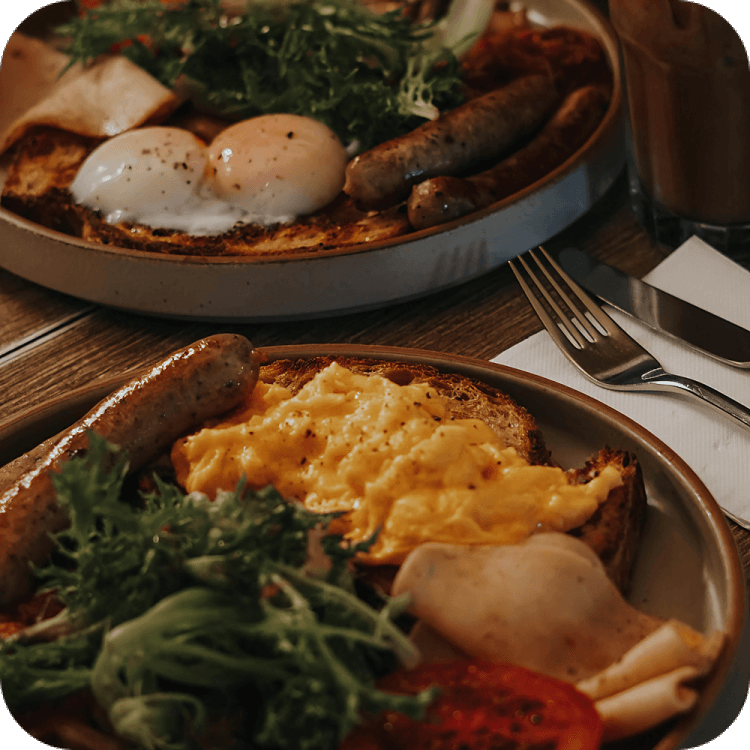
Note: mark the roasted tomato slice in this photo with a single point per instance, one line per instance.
(483, 706)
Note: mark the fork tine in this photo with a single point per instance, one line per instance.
(582, 320)
(596, 312)
(552, 325)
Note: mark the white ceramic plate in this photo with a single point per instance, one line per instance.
(688, 566)
(335, 281)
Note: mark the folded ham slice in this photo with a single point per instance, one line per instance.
(654, 680)
(548, 605)
(100, 100)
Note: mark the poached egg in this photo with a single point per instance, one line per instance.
(265, 170)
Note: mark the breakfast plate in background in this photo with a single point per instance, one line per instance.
(688, 565)
(337, 281)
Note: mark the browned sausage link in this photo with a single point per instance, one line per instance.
(478, 130)
(442, 199)
(143, 417)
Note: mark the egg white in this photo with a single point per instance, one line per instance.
(278, 165)
(154, 176)
(266, 170)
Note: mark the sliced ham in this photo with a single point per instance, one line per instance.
(547, 604)
(100, 100)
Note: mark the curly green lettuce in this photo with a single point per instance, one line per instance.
(368, 76)
(181, 612)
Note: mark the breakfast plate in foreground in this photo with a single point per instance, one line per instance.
(687, 566)
(343, 279)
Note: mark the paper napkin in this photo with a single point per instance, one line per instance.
(716, 447)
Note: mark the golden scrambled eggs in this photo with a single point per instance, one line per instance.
(391, 458)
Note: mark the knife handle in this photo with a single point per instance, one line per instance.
(705, 393)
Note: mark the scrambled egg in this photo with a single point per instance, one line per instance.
(391, 457)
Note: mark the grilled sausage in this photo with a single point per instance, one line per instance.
(444, 198)
(477, 131)
(143, 417)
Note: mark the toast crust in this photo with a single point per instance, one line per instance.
(45, 164)
(614, 531)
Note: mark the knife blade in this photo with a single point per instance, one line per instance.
(700, 329)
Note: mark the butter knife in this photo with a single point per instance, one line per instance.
(700, 329)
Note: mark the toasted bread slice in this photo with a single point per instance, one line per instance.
(613, 532)
(45, 164)
(47, 160)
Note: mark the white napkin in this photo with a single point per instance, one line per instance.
(716, 447)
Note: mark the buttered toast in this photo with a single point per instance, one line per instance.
(614, 531)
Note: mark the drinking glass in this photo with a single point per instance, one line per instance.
(687, 84)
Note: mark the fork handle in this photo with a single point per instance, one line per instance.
(705, 393)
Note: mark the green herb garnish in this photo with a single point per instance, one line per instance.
(184, 611)
(369, 77)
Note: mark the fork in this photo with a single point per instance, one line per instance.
(596, 345)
